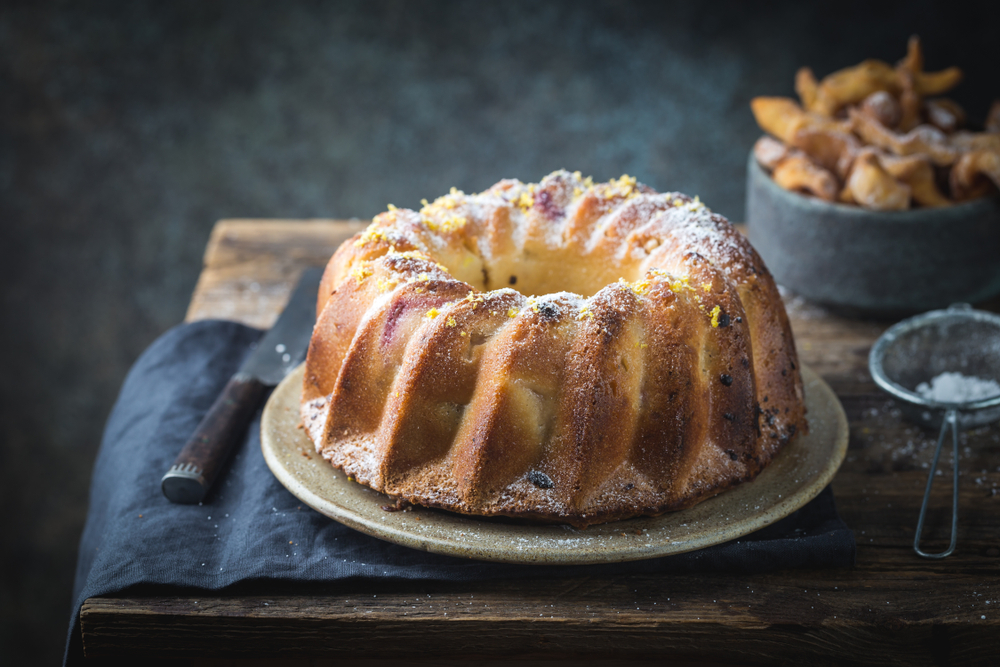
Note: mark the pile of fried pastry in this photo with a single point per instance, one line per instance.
(879, 136)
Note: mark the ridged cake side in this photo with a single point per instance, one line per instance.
(665, 374)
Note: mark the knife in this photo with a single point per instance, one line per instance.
(278, 352)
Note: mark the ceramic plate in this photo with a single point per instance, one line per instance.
(799, 472)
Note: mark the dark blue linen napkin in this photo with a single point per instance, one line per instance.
(250, 529)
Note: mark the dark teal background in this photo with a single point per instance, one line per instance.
(128, 128)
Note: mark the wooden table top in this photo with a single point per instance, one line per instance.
(892, 608)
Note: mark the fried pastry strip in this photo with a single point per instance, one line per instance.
(913, 62)
(797, 172)
(769, 152)
(834, 150)
(926, 83)
(993, 117)
(883, 107)
(969, 175)
(782, 117)
(853, 84)
(935, 83)
(845, 196)
(807, 87)
(925, 139)
(909, 102)
(873, 187)
(966, 142)
(917, 172)
(945, 114)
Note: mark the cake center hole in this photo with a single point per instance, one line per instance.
(543, 270)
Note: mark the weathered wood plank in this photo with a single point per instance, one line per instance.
(251, 266)
(751, 619)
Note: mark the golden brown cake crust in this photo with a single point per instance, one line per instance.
(652, 366)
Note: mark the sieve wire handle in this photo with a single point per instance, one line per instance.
(950, 418)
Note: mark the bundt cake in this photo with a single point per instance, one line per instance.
(566, 351)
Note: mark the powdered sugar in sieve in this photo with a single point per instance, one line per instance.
(944, 365)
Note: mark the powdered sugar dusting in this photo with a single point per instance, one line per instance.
(952, 387)
(314, 415)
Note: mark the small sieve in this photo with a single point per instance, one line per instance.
(918, 350)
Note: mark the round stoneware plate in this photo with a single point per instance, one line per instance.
(799, 472)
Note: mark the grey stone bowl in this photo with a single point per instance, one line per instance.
(887, 263)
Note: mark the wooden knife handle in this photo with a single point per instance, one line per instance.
(198, 464)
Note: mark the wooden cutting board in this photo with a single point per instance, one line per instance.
(893, 608)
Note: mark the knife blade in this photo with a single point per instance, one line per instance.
(281, 349)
